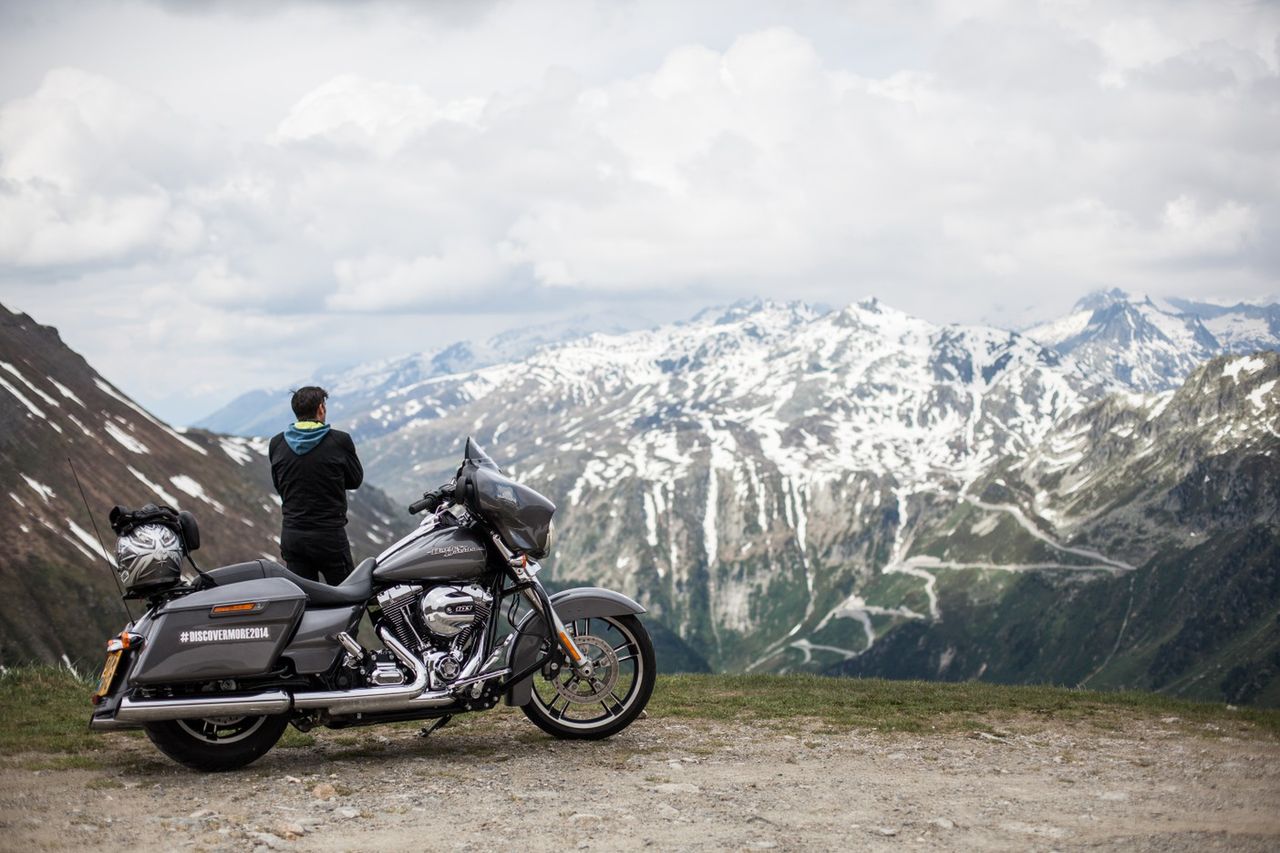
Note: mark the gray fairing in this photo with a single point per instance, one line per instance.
(581, 603)
(185, 642)
(432, 554)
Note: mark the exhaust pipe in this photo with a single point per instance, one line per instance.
(110, 724)
(389, 698)
(150, 710)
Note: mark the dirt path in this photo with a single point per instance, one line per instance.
(498, 783)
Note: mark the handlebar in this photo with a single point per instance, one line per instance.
(432, 500)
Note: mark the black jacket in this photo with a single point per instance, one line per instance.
(313, 485)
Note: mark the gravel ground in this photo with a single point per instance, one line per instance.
(663, 784)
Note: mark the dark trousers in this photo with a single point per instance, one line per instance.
(311, 553)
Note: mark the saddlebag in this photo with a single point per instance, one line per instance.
(232, 631)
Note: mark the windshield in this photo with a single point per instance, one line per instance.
(517, 513)
(475, 454)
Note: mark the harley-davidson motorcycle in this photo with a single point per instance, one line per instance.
(225, 659)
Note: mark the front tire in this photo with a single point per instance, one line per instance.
(568, 706)
(215, 744)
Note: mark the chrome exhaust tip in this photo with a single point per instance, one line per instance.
(110, 724)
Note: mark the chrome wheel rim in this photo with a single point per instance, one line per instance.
(221, 730)
(618, 669)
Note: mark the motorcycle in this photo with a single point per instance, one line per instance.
(225, 659)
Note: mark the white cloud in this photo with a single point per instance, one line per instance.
(379, 117)
(91, 172)
(950, 157)
(379, 283)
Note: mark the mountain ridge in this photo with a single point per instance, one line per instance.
(55, 582)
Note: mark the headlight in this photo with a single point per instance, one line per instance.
(551, 538)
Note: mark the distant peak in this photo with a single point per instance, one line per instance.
(1100, 299)
(743, 308)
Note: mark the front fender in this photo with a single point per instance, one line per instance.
(570, 604)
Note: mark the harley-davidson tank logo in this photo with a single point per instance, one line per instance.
(454, 550)
(222, 635)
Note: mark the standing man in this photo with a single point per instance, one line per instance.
(312, 467)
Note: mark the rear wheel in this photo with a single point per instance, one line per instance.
(569, 705)
(217, 743)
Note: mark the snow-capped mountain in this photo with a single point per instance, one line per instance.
(861, 491)
(56, 589)
(867, 388)
(740, 472)
(1240, 328)
(1146, 344)
(375, 397)
(790, 489)
(1137, 546)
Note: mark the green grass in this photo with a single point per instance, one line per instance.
(45, 711)
(922, 706)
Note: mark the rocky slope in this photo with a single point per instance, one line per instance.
(1138, 546)
(59, 597)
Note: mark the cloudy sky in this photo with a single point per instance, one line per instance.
(244, 195)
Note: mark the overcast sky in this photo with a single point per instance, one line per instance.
(250, 191)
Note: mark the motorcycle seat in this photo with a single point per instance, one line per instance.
(355, 589)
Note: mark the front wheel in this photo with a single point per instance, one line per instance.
(217, 743)
(568, 705)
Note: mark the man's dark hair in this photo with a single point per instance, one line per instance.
(306, 402)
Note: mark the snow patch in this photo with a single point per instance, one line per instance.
(38, 487)
(67, 392)
(186, 484)
(114, 394)
(155, 487)
(31, 407)
(34, 390)
(242, 450)
(89, 540)
(1257, 396)
(125, 440)
(1247, 365)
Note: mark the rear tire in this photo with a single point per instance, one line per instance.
(623, 654)
(216, 744)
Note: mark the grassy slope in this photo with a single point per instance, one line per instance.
(45, 709)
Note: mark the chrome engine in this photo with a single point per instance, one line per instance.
(439, 624)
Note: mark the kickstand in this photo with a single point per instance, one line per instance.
(438, 724)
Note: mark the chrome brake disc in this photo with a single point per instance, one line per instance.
(574, 688)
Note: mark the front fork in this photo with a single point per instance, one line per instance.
(525, 572)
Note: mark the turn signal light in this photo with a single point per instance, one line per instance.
(236, 608)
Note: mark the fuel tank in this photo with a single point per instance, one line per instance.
(434, 554)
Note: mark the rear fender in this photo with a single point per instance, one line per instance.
(570, 604)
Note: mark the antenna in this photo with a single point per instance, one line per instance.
(102, 547)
